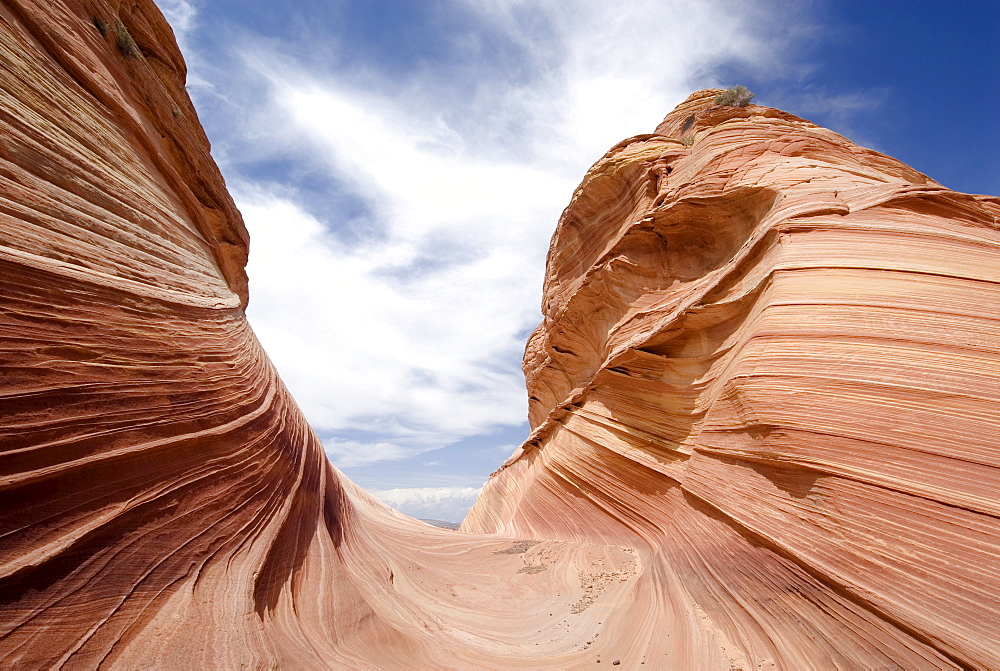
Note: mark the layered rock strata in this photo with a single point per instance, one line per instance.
(163, 503)
(770, 361)
(764, 401)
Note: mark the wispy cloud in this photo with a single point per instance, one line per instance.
(348, 453)
(180, 14)
(400, 218)
(450, 504)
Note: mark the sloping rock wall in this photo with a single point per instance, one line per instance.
(163, 503)
(771, 360)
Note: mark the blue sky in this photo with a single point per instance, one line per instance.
(402, 165)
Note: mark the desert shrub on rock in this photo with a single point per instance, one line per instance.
(735, 96)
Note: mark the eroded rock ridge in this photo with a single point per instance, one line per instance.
(769, 361)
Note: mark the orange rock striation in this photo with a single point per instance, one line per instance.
(770, 363)
(764, 402)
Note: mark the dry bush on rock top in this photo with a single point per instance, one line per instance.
(736, 96)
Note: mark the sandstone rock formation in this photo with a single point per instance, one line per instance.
(770, 362)
(764, 401)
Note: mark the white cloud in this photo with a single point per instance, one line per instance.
(348, 453)
(405, 319)
(450, 504)
(622, 66)
(180, 14)
(425, 360)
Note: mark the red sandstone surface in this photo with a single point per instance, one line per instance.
(765, 402)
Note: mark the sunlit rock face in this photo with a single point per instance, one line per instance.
(163, 503)
(770, 362)
(764, 401)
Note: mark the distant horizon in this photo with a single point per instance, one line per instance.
(402, 166)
